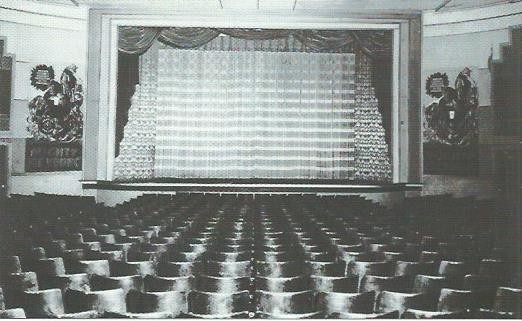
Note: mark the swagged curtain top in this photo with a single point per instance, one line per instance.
(137, 40)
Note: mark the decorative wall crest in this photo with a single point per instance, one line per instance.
(56, 115)
(41, 77)
(452, 120)
(435, 84)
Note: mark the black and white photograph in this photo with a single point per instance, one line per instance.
(260, 159)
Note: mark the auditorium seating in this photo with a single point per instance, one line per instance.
(232, 256)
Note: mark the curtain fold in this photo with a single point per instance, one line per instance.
(325, 40)
(373, 42)
(137, 40)
(187, 37)
(256, 34)
(128, 78)
(253, 114)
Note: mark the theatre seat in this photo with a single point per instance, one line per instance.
(496, 269)
(452, 300)
(429, 284)
(378, 283)
(178, 268)
(278, 304)
(73, 255)
(508, 300)
(129, 315)
(15, 284)
(280, 269)
(411, 269)
(29, 255)
(285, 257)
(65, 282)
(125, 282)
(154, 283)
(271, 255)
(388, 301)
(454, 271)
(483, 290)
(422, 314)
(92, 267)
(44, 303)
(106, 238)
(390, 256)
(220, 284)
(142, 268)
(283, 284)
(430, 256)
(327, 266)
(112, 300)
(361, 268)
(218, 305)
(49, 267)
(91, 314)
(339, 302)
(20, 282)
(107, 252)
(173, 302)
(54, 247)
(9, 264)
(235, 269)
(385, 315)
(16, 313)
(325, 283)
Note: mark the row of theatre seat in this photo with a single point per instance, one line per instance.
(208, 256)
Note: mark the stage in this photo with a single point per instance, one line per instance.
(249, 186)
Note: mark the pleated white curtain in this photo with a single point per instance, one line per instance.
(253, 114)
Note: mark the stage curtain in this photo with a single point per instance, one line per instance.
(376, 44)
(371, 42)
(325, 40)
(187, 37)
(365, 141)
(251, 114)
(256, 34)
(136, 152)
(136, 40)
(128, 78)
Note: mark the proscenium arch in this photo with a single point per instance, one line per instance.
(100, 118)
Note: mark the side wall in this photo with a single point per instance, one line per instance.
(453, 40)
(39, 34)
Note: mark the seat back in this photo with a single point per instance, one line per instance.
(338, 302)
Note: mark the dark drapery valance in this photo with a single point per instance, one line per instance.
(136, 40)
(187, 37)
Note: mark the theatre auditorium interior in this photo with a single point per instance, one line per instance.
(284, 159)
